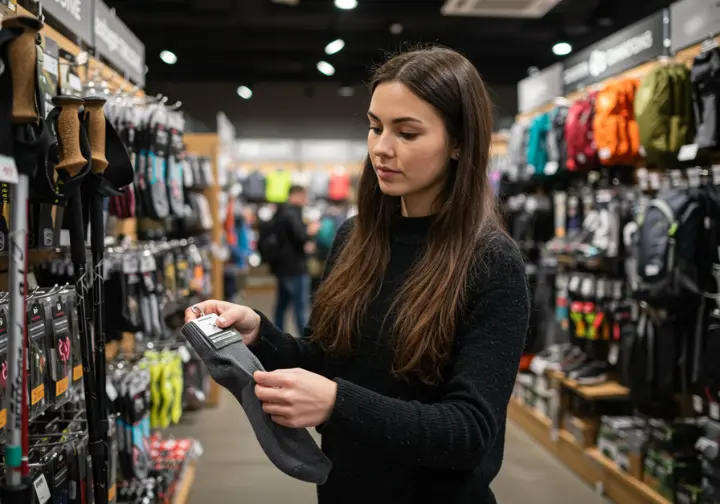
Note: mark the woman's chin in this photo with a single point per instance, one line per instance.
(390, 189)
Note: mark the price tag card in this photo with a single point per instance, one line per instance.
(42, 490)
(8, 170)
(77, 372)
(688, 152)
(715, 411)
(61, 387)
(697, 404)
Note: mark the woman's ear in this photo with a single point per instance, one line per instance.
(455, 154)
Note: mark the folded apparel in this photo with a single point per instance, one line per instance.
(232, 365)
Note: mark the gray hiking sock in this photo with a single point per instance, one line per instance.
(232, 365)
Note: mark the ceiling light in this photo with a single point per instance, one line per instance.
(335, 46)
(168, 57)
(346, 4)
(396, 28)
(244, 92)
(325, 68)
(346, 91)
(562, 49)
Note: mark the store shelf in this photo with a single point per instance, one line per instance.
(182, 494)
(607, 390)
(589, 464)
(621, 487)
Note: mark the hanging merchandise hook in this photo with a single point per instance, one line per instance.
(196, 309)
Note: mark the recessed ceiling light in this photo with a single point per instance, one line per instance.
(168, 57)
(396, 28)
(562, 49)
(346, 4)
(346, 91)
(244, 92)
(335, 46)
(325, 68)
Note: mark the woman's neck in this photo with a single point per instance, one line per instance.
(417, 206)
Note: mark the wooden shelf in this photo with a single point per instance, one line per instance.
(621, 487)
(182, 492)
(591, 465)
(607, 390)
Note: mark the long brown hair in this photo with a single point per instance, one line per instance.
(429, 302)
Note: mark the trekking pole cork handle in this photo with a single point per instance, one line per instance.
(95, 109)
(68, 130)
(22, 59)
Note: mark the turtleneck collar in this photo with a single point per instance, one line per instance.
(411, 230)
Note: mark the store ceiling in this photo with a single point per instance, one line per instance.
(250, 41)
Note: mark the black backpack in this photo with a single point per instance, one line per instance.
(667, 242)
(270, 241)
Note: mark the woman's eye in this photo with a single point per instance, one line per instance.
(408, 136)
(375, 130)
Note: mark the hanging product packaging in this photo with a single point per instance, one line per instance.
(183, 273)
(69, 297)
(134, 421)
(3, 362)
(157, 197)
(175, 149)
(37, 330)
(59, 350)
(131, 282)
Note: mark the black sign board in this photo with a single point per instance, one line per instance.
(615, 54)
(75, 15)
(692, 21)
(540, 88)
(115, 42)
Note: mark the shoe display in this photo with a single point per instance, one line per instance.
(592, 373)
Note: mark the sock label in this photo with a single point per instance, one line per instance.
(219, 337)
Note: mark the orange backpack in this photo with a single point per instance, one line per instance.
(616, 132)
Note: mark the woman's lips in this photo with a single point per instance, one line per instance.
(386, 173)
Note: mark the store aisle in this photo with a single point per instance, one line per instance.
(233, 466)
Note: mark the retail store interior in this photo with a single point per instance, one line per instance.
(149, 149)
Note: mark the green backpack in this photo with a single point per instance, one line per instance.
(663, 111)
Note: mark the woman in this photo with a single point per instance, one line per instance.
(418, 327)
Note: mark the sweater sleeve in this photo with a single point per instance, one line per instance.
(280, 350)
(460, 429)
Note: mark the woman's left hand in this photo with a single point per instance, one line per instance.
(295, 397)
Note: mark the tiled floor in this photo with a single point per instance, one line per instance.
(233, 468)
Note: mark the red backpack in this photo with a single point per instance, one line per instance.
(581, 149)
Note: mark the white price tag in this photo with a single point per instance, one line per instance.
(697, 404)
(50, 65)
(600, 488)
(184, 354)
(42, 490)
(554, 435)
(8, 170)
(715, 411)
(688, 152)
(111, 391)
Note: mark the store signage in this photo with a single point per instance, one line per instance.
(691, 21)
(259, 150)
(115, 42)
(540, 88)
(329, 151)
(76, 15)
(615, 54)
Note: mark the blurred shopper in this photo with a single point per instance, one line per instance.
(417, 330)
(240, 254)
(291, 241)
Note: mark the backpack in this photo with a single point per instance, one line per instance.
(705, 82)
(579, 136)
(537, 154)
(667, 242)
(663, 110)
(270, 241)
(616, 132)
(556, 141)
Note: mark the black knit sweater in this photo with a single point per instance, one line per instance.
(404, 442)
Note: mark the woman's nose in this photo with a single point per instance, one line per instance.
(383, 146)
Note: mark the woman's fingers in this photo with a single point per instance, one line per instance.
(206, 308)
(274, 409)
(272, 395)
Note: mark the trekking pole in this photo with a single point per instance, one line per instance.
(72, 162)
(94, 110)
(22, 66)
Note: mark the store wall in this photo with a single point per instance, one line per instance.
(279, 110)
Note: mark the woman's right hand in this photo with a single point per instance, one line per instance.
(243, 319)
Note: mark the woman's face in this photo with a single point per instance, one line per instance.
(408, 145)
